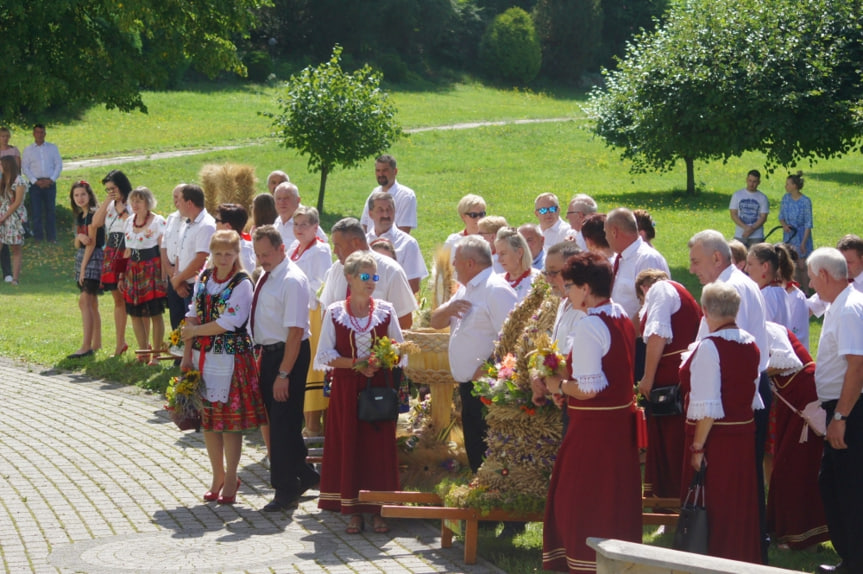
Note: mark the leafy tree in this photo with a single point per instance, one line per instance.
(98, 51)
(720, 78)
(510, 47)
(336, 118)
(623, 20)
(570, 32)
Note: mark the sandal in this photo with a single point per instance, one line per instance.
(356, 525)
(379, 525)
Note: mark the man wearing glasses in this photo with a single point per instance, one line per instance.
(547, 210)
(579, 208)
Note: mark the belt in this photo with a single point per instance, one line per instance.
(722, 424)
(617, 408)
(139, 255)
(270, 348)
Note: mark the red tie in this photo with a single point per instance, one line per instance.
(616, 265)
(258, 287)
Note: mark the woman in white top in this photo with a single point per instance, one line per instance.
(762, 265)
(514, 255)
(315, 258)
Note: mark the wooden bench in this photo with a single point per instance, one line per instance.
(428, 505)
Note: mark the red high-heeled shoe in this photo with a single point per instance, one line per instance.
(211, 496)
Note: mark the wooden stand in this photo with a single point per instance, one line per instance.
(393, 501)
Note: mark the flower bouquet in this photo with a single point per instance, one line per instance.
(175, 341)
(184, 400)
(500, 386)
(545, 361)
(386, 354)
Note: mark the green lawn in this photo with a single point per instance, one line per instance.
(508, 165)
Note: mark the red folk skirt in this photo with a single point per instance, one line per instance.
(595, 488)
(730, 488)
(145, 292)
(244, 409)
(665, 438)
(357, 455)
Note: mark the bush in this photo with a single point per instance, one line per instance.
(259, 66)
(510, 48)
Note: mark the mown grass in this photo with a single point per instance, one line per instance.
(508, 165)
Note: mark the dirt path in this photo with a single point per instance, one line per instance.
(111, 161)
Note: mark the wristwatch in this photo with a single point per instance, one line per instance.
(283, 374)
(837, 416)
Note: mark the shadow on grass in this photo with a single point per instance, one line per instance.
(672, 199)
(841, 177)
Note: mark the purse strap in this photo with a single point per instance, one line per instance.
(696, 487)
(784, 400)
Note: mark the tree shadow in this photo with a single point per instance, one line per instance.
(845, 178)
(672, 199)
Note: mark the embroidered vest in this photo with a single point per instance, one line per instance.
(209, 308)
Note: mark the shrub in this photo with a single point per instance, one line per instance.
(510, 48)
(259, 66)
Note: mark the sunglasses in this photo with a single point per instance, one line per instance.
(475, 214)
(544, 210)
(366, 277)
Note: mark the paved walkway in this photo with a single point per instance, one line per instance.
(94, 478)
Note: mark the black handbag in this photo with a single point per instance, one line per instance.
(376, 404)
(692, 530)
(665, 401)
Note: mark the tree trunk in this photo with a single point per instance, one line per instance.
(690, 175)
(324, 171)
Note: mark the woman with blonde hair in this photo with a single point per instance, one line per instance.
(514, 256)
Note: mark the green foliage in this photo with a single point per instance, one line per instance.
(61, 53)
(510, 48)
(259, 66)
(621, 21)
(718, 79)
(336, 118)
(570, 32)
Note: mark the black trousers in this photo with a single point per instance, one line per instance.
(474, 426)
(177, 306)
(762, 424)
(287, 448)
(5, 261)
(841, 485)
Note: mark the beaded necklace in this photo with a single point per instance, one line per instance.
(143, 225)
(355, 323)
(515, 282)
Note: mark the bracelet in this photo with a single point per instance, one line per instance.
(354, 362)
(694, 450)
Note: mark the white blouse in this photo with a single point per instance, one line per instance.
(661, 302)
(591, 341)
(338, 311)
(147, 237)
(237, 307)
(314, 262)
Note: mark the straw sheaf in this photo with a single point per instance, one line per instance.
(227, 183)
(515, 324)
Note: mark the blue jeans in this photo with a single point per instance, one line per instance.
(43, 212)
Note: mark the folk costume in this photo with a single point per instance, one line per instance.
(146, 293)
(595, 486)
(114, 262)
(358, 455)
(719, 379)
(232, 395)
(93, 269)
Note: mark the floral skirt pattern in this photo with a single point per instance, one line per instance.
(245, 407)
(12, 229)
(113, 263)
(146, 293)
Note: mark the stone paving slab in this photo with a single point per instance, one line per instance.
(95, 479)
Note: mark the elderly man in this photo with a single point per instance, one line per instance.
(710, 260)
(42, 165)
(404, 197)
(475, 315)
(275, 178)
(287, 199)
(633, 256)
(535, 242)
(193, 247)
(851, 247)
(392, 286)
(839, 382)
(382, 209)
(279, 325)
(546, 207)
(579, 208)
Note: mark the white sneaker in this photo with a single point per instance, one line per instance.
(8, 279)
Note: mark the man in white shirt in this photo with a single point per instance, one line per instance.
(393, 286)
(279, 325)
(839, 383)
(749, 208)
(546, 207)
(42, 165)
(196, 230)
(632, 257)
(381, 209)
(169, 249)
(475, 315)
(287, 199)
(851, 247)
(580, 206)
(404, 197)
(710, 260)
(535, 242)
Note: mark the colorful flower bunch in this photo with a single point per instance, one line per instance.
(175, 340)
(499, 386)
(546, 361)
(183, 394)
(386, 354)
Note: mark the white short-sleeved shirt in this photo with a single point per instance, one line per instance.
(338, 312)
(798, 316)
(556, 233)
(286, 230)
(393, 285)
(408, 252)
(591, 341)
(842, 334)
(149, 236)
(406, 207)
(818, 307)
(114, 222)
(776, 304)
(283, 302)
(315, 261)
(564, 324)
(637, 257)
(661, 302)
(194, 238)
(705, 397)
(473, 336)
(750, 205)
